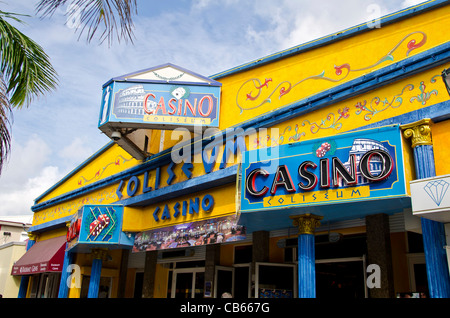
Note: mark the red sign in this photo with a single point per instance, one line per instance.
(36, 268)
(74, 230)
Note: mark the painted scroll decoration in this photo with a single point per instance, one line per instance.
(257, 93)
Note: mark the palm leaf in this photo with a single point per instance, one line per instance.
(108, 16)
(5, 115)
(25, 67)
(25, 74)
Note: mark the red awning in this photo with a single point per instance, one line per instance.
(43, 256)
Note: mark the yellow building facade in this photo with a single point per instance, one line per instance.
(197, 211)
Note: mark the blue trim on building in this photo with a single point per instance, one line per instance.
(50, 225)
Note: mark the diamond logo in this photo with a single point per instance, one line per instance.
(436, 190)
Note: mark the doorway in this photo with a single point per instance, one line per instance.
(341, 278)
(275, 280)
(188, 283)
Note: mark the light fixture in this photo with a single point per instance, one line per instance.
(446, 78)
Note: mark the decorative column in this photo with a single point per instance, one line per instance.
(433, 232)
(64, 284)
(25, 279)
(306, 224)
(94, 284)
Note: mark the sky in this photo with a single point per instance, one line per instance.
(59, 131)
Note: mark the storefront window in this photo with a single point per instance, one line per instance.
(45, 285)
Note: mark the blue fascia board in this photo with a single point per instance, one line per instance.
(337, 36)
(405, 68)
(50, 225)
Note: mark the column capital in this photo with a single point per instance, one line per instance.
(306, 223)
(419, 132)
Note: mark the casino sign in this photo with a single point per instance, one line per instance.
(317, 174)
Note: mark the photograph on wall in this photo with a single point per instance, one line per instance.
(212, 231)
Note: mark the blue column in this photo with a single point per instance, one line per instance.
(433, 232)
(96, 269)
(64, 284)
(306, 254)
(306, 266)
(25, 279)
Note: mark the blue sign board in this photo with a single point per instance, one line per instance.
(360, 166)
(98, 226)
(163, 97)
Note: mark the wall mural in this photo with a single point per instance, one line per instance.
(83, 180)
(334, 121)
(105, 196)
(257, 93)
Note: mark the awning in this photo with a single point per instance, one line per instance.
(43, 256)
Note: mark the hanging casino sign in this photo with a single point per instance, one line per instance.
(363, 165)
(163, 97)
(97, 226)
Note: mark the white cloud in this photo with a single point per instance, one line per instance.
(75, 153)
(18, 200)
(410, 3)
(26, 176)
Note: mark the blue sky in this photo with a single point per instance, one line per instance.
(59, 131)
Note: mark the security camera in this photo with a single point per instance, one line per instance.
(116, 135)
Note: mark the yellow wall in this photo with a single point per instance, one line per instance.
(314, 71)
(290, 80)
(141, 219)
(441, 137)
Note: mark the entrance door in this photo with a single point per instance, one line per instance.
(188, 283)
(341, 278)
(223, 281)
(275, 280)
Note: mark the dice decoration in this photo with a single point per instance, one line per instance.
(323, 149)
(98, 225)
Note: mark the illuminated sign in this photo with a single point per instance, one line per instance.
(355, 166)
(97, 225)
(165, 97)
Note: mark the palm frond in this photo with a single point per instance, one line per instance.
(25, 74)
(25, 67)
(110, 17)
(5, 124)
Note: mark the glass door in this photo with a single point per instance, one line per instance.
(275, 280)
(223, 281)
(188, 283)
